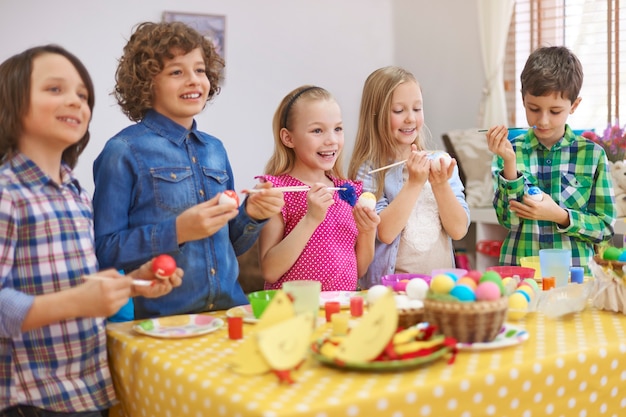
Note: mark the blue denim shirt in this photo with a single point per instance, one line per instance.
(146, 176)
(384, 262)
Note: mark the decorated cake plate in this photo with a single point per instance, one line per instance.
(178, 327)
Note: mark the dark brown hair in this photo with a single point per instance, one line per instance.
(15, 87)
(552, 69)
(143, 58)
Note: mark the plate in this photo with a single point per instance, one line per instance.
(377, 366)
(242, 311)
(342, 296)
(509, 335)
(178, 327)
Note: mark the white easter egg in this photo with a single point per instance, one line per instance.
(535, 193)
(416, 289)
(437, 157)
(375, 292)
(368, 200)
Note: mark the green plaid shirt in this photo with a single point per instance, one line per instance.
(575, 174)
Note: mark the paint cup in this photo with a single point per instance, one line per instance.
(556, 263)
(235, 328)
(305, 295)
(577, 274)
(330, 308)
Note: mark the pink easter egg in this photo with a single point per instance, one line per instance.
(487, 291)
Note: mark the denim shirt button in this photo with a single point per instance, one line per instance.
(202, 193)
(212, 271)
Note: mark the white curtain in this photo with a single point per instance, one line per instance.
(494, 18)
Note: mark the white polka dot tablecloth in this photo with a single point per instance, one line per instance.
(573, 366)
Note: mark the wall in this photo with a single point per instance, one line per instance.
(272, 46)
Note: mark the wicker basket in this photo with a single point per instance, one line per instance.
(614, 265)
(474, 322)
(408, 317)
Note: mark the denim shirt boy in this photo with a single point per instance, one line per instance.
(145, 177)
(384, 262)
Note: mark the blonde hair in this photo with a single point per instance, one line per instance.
(283, 159)
(375, 142)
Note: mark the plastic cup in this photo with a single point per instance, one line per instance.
(305, 295)
(577, 274)
(235, 328)
(259, 300)
(556, 263)
(330, 308)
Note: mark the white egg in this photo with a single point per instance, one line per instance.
(437, 156)
(375, 292)
(416, 289)
(226, 199)
(368, 200)
(535, 193)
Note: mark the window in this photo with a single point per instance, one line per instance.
(595, 30)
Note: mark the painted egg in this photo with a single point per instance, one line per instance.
(535, 193)
(368, 200)
(488, 291)
(441, 284)
(463, 293)
(436, 157)
(518, 306)
(375, 292)
(229, 197)
(611, 254)
(416, 289)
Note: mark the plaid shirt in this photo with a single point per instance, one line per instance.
(46, 245)
(575, 174)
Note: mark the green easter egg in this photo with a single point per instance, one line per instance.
(611, 254)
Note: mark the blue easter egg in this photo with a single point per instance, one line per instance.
(622, 256)
(534, 190)
(463, 293)
(451, 275)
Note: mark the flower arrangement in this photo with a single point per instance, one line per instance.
(613, 141)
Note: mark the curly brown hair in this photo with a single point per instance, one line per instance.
(143, 58)
(15, 88)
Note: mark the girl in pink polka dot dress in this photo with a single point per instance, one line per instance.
(318, 235)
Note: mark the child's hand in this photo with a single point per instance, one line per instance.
(367, 220)
(263, 205)
(204, 220)
(319, 198)
(545, 209)
(418, 166)
(103, 298)
(159, 286)
(498, 142)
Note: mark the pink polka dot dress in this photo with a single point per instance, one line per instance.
(330, 254)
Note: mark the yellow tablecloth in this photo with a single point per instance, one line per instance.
(574, 366)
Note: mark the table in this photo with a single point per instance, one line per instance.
(573, 366)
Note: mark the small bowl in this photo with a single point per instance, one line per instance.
(259, 300)
(510, 271)
(397, 282)
(532, 262)
(457, 272)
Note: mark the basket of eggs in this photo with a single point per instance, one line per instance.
(608, 291)
(471, 309)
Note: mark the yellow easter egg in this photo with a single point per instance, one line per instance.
(518, 306)
(441, 284)
(528, 290)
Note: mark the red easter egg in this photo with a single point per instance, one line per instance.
(229, 197)
(163, 266)
(475, 275)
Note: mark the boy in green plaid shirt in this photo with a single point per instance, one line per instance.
(577, 209)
